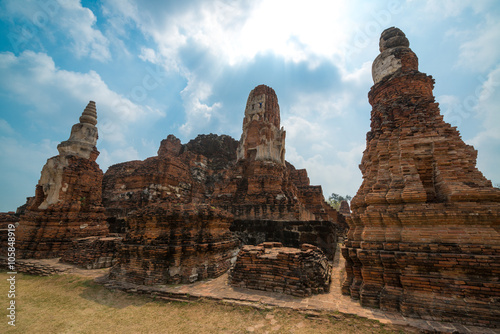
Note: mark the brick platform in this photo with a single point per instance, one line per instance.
(272, 267)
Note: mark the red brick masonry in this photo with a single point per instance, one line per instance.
(272, 267)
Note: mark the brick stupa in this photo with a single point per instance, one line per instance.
(424, 229)
(67, 203)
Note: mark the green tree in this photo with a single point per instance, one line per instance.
(335, 199)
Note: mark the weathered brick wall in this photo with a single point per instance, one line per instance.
(272, 267)
(173, 243)
(260, 190)
(322, 234)
(179, 174)
(48, 233)
(93, 252)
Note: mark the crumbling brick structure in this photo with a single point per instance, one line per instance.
(262, 185)
(93, 252)
(424, 229)
(263, 191)
(178, 174)
(272, 267)
(67, 203)
(175, 243)
(196, 190)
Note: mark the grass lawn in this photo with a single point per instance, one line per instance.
(75, 304)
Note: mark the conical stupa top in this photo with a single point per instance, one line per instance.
(393, 37)
(89, 115)
(83, 137)
(395, 56)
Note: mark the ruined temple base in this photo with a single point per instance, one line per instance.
(272, 267)
(93, 252)
(219, 290)
(49, 267)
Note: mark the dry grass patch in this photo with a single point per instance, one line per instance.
(74, 304)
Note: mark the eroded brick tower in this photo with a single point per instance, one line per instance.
(424, 230)
(68, 201)
(262, 139)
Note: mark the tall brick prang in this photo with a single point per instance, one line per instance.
(262, 185)
(262, 138)
(424, 229)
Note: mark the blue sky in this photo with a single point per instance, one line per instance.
(186, 68)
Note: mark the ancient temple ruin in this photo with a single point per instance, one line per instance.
(424, 229)
(185, 221)
(180, 174)
(423, 235)
(172, 234)
(175, 243)
(259, 185)
(269, 198)
(182, 215)
(67, 203)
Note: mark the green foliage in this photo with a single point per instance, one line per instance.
(335, 199)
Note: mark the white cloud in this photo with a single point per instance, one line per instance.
(336, 173)
(149, 55)
(237, 31)
(62, 16)
(453, 8)
(198, 113)
(5, 128)
(487, 142)
(293, 29)
(107, 158)
(480, 51)
(300, 130)
(318, 106)
(360, 76)
(35, 80)
(453, 109)
(488, 108)
(21, 164)
(79, 23)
